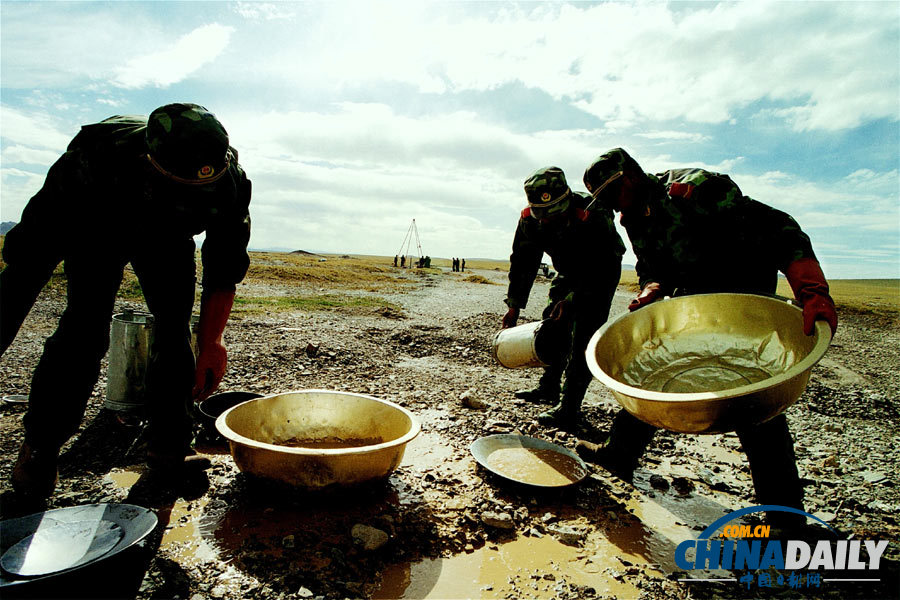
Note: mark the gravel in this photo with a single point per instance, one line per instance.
(433, 357)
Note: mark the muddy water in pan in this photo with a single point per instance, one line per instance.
(540, 466)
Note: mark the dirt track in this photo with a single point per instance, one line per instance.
(454, 530)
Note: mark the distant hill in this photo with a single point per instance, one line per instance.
(6, 226)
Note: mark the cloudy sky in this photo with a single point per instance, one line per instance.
(353, 118)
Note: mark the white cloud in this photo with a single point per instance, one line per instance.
(32, 129)
(31, 156)
(668, 136)
(831, 65)
(353, 118)
(186, 55)
(265, 11)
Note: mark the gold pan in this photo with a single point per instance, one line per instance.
(529, 460)
(318, 438)
(707, 363)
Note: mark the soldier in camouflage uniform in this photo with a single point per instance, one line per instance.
(587, 252)
(128, 190)
(693, 232)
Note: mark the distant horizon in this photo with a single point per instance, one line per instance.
(625, 266)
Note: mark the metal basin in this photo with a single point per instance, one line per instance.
(318, 438)
(708, 363)
(215, 405)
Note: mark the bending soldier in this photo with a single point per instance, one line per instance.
(587, 252)
(175, 176)
(693, 232)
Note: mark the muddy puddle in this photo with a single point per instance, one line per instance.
(535, 567)
(639, 541)
(634, 540)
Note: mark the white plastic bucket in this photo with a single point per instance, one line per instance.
(536, 344)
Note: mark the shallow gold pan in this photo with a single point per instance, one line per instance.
(529, 460)
(707, 363)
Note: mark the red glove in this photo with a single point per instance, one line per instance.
(651, 292)
(510, 318)
(212, 356)
(811, 291)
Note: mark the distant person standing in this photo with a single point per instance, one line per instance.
(462, 264)
(587, 251)
(693, 232)
(176, 176)
(395, 260)
(403, 261)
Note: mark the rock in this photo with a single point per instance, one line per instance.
(873, 476)
(304, 593)
(470, 399)
(567, 535)
(369, 538)
(683, 485)
(498, 520)
(499, 427)
(659, 482)
(312, 350)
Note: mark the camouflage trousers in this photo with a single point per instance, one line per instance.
(769, 448)
(589, 311)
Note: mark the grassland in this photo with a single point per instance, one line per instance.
(310, 302)
(375, 274)
(864, 296)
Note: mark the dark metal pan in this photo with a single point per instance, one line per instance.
(54, 542)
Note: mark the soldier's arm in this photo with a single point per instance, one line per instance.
(224, 251)
(795, 257)
(523, 266)
(225, 262)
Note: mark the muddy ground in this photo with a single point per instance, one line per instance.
(442, 526)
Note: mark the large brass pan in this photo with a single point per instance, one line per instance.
(318, 438)
(707, 363)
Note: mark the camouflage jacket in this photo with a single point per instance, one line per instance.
(583, 245)
(106, 173)
(699, 233)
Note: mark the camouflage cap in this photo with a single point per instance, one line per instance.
(187, 143)
(608, 167)
(546, 187)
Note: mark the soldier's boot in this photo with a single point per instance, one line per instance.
(35, 473)
(539, 395)
(619, 454)
(547, 390)
(566, 415)
(603, 456)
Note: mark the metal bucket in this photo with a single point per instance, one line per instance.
(537, 344)
(130, 339)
